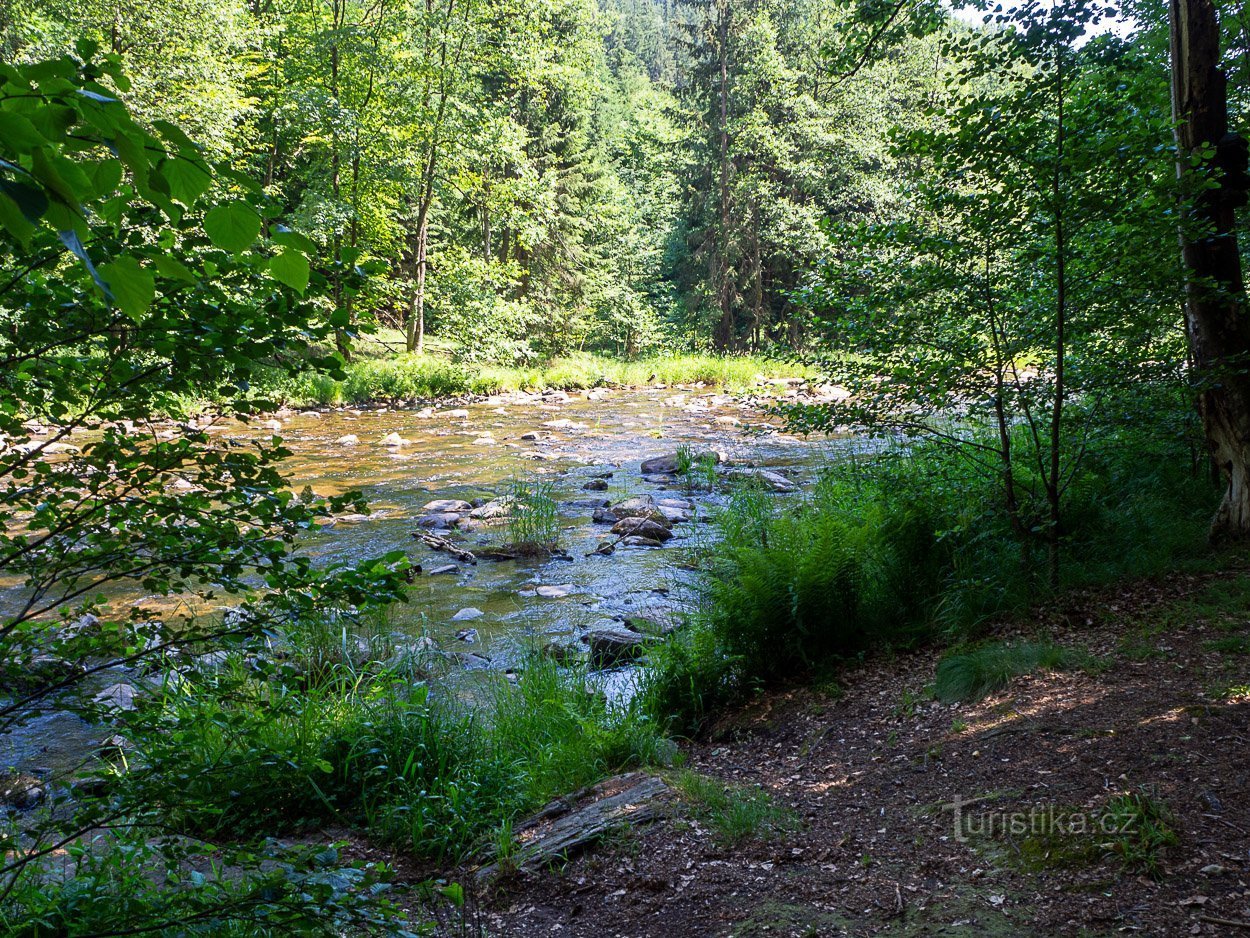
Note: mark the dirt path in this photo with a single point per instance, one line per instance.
(867, 774)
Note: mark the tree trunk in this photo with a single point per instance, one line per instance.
(1215, 319)
(415, 331)
(723, 336)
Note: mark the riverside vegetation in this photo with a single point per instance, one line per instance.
(969, 228)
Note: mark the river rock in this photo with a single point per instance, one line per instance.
(21, 791)
(349, 440)
(642, 527)
(554, 592)
(612, 644)
(596, 485)
(638, 506)
(469, 612)
(459, 413)
(440, 505)
(764, 478)
(119, 696)
(532, 437)
(438, 521)
(498, 508)
(394, 440)
(667, 465)
(445, 569)
(467, 635)
(673, 515)
(604, 515)
(593, 503)
(635, 540)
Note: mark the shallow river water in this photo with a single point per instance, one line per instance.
(473, 451)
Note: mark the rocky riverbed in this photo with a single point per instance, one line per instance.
(440, 476)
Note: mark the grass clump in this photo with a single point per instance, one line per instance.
(970, 675)
(735, 813)
(533, 517)
(1140, 825)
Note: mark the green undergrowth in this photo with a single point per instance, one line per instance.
(906, 548)
(403, 377)
(735, 813)
(367, 744)
(971, 674)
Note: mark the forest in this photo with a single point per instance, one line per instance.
(643, 467)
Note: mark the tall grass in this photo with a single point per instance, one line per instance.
(533, 517)
(910, 547)
(405, 377)
(251, 751)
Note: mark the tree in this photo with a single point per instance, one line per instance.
(1017, 296)
(1211, 164)
(134, 275)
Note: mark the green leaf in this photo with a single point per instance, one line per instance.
(188, 178)
(18, 133)
(232, 226)
(290, 267)
(14, 221)
(174, 269)
(133, 288)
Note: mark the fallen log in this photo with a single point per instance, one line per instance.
(435, 542)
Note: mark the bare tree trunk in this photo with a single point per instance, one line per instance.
(1219, 332)
(415, 329)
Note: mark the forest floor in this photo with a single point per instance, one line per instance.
(862, 838)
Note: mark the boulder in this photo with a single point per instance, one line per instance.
(444, 570)
(642, 527)
(612, 644)
(438, 521)
(635, 540)
(394, 440)
(596, 485)
(440, 505)
(765, 479)
(604, 516)
(639, 506)
(349, 440)
(469, 612)
(118, 696)
(555, 592)
(21, 791)
(499, 508)
(668, 464)
(467, 635)
(673, 515)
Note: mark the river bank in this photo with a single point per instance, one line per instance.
(1080, 802)
(380, 376)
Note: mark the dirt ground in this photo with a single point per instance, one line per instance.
(865, 781)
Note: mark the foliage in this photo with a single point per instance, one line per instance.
(909, 547)
(273, 745)
(168, 276)
(735, 813)
(969, 675)
(1030, 269)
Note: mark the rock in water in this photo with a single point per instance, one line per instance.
(439, 521)
(469, 612)
(440, 505)
(20, 790)
(596, 485)
(612, 644)
(642, 527)
(668, 464)
(765, 479)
